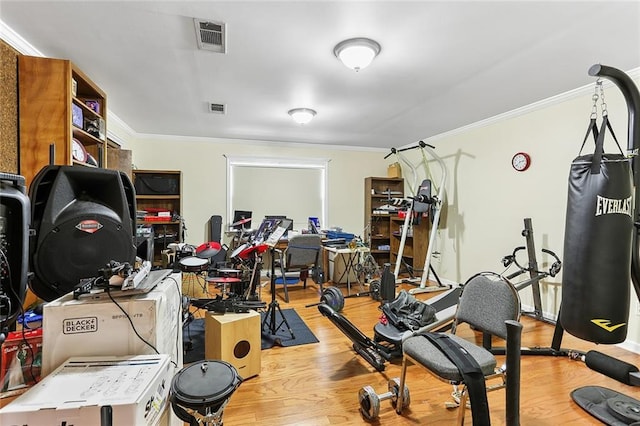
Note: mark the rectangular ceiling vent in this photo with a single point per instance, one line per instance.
(211, 35)
(217, 108)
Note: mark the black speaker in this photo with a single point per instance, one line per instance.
(14, 247)
(83, 218)
(215, 229)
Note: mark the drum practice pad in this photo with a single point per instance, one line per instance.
(236, 252)
(208, 250)
(248, 251)
(193, 264)
(200, 391)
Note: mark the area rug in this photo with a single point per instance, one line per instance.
(193, 335)
(282, 337)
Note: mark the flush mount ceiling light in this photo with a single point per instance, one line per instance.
(357, 53)
(302, 115)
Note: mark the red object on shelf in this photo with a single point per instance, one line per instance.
(402, 214)
(156, 219)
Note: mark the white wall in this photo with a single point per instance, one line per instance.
(204, 176)
(488, 200)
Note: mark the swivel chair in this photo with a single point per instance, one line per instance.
(301, 255)
(490, 304)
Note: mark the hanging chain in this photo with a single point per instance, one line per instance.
(603, 104)
(595, 97)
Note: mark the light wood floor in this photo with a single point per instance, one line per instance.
(317, 384)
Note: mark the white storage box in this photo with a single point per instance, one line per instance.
(131, 390)
(87, 327)
(339, 261)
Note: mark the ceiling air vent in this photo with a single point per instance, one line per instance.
(217, 108)
(211, 35)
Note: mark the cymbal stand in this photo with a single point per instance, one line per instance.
(269, 321)
(254, 283)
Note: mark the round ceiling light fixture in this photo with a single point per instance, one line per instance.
(302, 115)
(357, 53)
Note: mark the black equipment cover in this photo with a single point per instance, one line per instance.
(387, 284)
(597, 246)
(408, 313)
(471, 373)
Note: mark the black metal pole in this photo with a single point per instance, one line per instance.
(514, 333)
(632, 98)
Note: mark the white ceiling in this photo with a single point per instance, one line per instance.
(443, 65)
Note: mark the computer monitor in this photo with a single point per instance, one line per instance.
(241, 215)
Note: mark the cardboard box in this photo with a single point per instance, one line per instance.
(135, 388)
(236, 339)
(21, 361)
(394, 170)
(88, 327)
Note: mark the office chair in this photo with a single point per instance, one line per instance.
(490, 304)
(302, 254)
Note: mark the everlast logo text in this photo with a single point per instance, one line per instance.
(611, 206)
(80, 325)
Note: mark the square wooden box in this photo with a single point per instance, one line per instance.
(234, 338)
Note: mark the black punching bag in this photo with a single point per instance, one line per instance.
(597, 245)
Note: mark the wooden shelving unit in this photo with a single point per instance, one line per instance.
(377, 192)
(153, 199)
(57, 104)
(415, 247)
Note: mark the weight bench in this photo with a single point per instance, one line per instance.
(387, 341)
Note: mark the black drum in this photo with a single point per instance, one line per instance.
(200, 391)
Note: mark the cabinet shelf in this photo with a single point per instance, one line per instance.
(46, 92)
(415, 246)
(166, 231)
(157, 197)
(379, 223)
(157, 222)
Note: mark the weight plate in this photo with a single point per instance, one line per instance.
(333, 297)
(374, 289)
(394, 386)
(369, 403)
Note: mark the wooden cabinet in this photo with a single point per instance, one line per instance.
(159, 205)
(378, 192)
(415, 246)
(57, 104)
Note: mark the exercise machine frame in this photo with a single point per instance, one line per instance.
(387, 341)
(436, 203)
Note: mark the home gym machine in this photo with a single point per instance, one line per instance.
(423, 201)
(601, 252)
(387, 341)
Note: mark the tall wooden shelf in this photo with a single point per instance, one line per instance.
(51, 93)
(165, 231)
(377, 193)
(415, 247)
(384, 234)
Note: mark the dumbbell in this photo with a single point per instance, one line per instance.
(370, 400)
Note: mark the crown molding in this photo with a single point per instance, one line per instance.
(16, 41)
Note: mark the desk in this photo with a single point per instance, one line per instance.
(347, 259)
